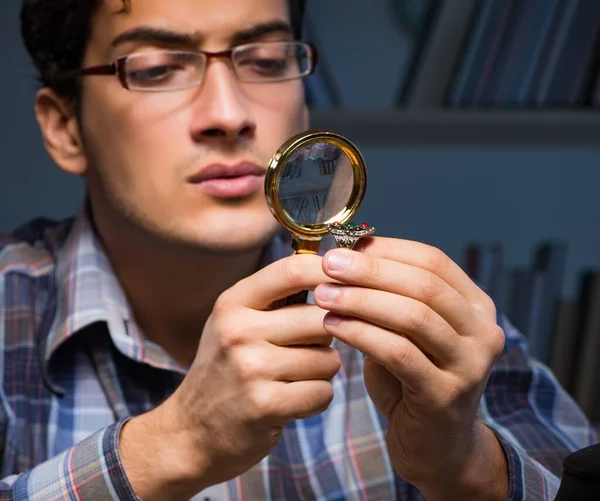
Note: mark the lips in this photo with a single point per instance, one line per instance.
(222, 171)
(229, 181)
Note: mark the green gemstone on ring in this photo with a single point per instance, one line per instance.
(351, 225)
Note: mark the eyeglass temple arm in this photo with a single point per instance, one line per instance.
(105, 69)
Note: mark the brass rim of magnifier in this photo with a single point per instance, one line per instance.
(282, 157)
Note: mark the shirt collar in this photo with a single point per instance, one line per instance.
(88, 291)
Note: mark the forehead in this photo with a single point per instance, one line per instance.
(215, 20)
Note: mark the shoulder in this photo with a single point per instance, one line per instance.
(27, 286)
(27, 277)
(30, 250)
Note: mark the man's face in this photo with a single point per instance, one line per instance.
(145, 150)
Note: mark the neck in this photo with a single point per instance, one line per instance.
(172, 290)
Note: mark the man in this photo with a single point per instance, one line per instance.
(143, 356)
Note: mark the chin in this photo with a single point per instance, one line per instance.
(231, 228)
(229, 235)
(240, 243)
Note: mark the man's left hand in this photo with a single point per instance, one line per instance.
(430, 336)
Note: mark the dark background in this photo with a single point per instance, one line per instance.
(430, 178)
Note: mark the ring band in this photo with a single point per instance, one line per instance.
(346, 235)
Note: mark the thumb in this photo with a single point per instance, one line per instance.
(383, 387)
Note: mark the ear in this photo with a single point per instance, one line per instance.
(60, 131)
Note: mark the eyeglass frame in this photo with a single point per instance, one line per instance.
(117, 67)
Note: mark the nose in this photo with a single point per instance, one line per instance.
(221, 112)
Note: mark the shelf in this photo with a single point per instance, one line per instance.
(462, 128)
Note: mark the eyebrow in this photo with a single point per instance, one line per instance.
(163, 36)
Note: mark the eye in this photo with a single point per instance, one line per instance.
(154, 73)
(162, 68)
(266, 65)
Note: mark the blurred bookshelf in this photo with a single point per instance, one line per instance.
(464, 127)
(562, 333)
(471, 73)
(482, 72)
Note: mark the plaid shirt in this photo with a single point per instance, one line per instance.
(74, 367)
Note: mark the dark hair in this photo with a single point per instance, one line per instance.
(56, 33)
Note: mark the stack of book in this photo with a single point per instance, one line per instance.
(538, 53)
(562, 333)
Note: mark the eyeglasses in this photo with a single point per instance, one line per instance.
(169, 70)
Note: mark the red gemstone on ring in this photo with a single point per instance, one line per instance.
(336, 224)
(364, 225)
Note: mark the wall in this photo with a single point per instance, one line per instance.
(441, 196)
(447, 197)
(29, 183)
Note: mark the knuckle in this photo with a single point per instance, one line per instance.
(402, 354)
(491, 308)
(292, 270)
(327, 396)
(233, 333)
(222, 304)
(497, 340)
(453, 403)
(436, 260)
(323, 397)
(334, 361)
(471, 380)
(316, 399)
(251, 364)
(476, 378)
(430, 287)
(419, 317)
(372, 270)
(262, 402)
(469, 385)
(449, 398)
(457, 392)
(488, 306)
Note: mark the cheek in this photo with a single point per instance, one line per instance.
(288, 103)
(280, 115)
(145, 120)
(124, 134)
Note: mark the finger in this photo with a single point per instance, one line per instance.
(396, 353)
(428, 258)
(275, 363)
(406, 280)
(305, 363)
(303, 399)
(276, 281)
(384, 388)
(400, 314)
(294, 325)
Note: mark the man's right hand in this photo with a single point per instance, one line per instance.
(257, 368)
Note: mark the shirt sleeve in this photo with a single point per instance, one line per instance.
(537, 422)
(92, 470)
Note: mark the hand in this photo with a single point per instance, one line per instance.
(431, 338)
(257, 368)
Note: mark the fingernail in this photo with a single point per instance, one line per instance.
(331, 319)
(338, 261)
(327, 292)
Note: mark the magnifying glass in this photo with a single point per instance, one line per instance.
(314, 185)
